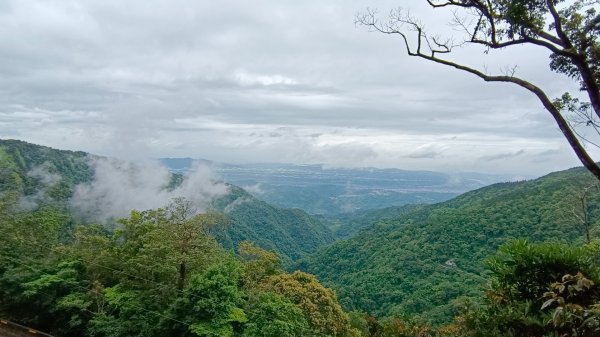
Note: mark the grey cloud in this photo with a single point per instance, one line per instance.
(424, 155)
(345, 155)
(255, 189)
(191, 78)
(45, 175)
(548, 153)
(504, 155)
(427, 151)
(235, 204)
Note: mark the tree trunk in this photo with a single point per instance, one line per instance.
(181, 280)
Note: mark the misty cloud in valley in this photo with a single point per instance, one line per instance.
(46, 180)
(121, 186)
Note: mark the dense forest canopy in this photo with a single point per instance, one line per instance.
(427, 261)
(160, 273)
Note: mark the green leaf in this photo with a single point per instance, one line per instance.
(547, 303)
(238, 315)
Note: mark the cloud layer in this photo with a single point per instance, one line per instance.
(263, 81)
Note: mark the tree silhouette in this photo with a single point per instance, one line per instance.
(569, 30)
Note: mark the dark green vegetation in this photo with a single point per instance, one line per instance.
(290, 232)
(26, 170)
(541, 290)
(537, 290)
(38, 177)
(160, 273)
(354, 223)
(426, 262)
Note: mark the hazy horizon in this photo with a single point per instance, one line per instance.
(504, 176)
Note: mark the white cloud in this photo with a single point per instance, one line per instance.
(246, 79)
(121, 186)
(47, 178)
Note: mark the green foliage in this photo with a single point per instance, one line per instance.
(45, 296)
(258, 263)
(537, 290)
(319, 304)
(167, 243)
(574, 309)
(123, 312)
(354, 223)
(525, 271)
(274, 316)
(11, 183)
(522, 16)
(211, 303)
(134, 280)
(30, 169)
(427, 262)
(290, 232)
(33, 177)
(161, 273)
(580, 25)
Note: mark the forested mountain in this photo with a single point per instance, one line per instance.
(290, 232)
(37, 178)
(346, 226)
(26, 170)
(425, 261)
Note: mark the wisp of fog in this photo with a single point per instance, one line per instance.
(121, 186)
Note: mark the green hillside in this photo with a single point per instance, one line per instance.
(425, 261)
(26, 168)
(355, 222)
(36, 178)
(291, 232)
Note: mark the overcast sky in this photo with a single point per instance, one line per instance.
(264, 81)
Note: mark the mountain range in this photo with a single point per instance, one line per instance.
(419, 260)
(38, 177)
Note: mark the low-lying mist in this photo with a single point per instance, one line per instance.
(121, 186)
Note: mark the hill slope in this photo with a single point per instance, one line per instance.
(33, 176)
(355, 222)
(421, 262)
(26, 170)
(291, 232)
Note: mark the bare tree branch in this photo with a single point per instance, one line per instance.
(398, 21)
